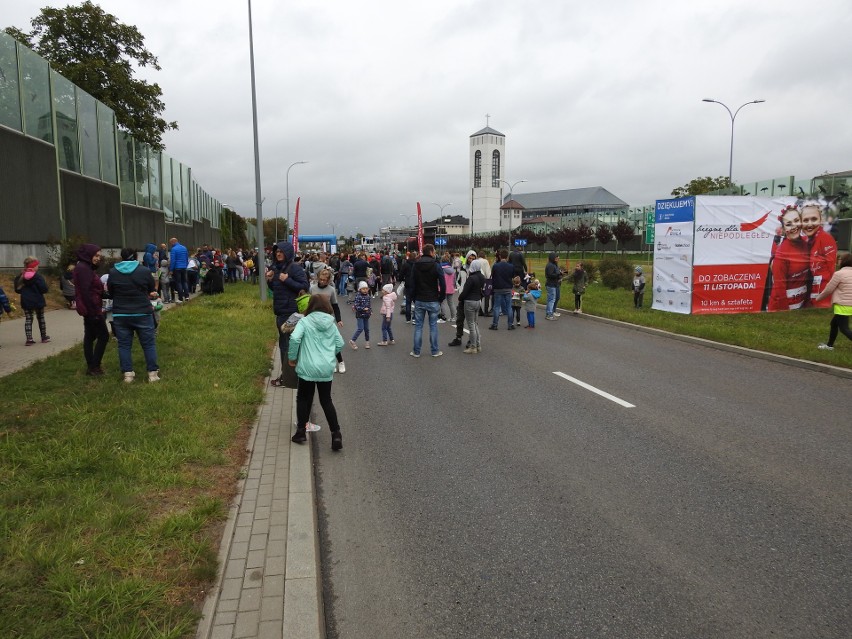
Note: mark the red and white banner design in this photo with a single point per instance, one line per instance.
(296, 227)
(733, 248)
(419, 229)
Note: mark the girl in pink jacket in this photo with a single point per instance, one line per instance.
(388, 306)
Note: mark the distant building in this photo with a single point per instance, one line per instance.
(569, 207)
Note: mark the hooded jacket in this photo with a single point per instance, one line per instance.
(88, 289)
(30, 285)
(129, 284)
(552, 272)
(427, 281)
(149, 260)
(284, 293)
(314, 345)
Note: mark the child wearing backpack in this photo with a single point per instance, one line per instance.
(30, 285)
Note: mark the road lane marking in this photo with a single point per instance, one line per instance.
(589, 387)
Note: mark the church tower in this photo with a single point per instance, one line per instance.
(487, 169)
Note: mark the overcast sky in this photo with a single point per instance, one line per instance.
(381, 96)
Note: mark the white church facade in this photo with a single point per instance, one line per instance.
(487, 171)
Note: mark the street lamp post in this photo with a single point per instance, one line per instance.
(733, 117)
(511, 192)
(441, 218)
(287, 197)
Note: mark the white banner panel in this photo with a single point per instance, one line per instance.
(673, 231)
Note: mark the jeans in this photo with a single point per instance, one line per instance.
(341, 285)
(363, 327)
(552, 299)
(95, 338)
(531, 319)
(387, 333)
(502, 303)
(180, 283)
(143, 326)
(421, 309)
(471, 315)
(305, 398)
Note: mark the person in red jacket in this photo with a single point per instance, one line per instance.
(89, 292)
(823, 252)
(791, 265)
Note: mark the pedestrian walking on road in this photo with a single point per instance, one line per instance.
(363, 309)
(840, 289)
(470, 296)
(312, 348)
(30, 285)
(89, 291)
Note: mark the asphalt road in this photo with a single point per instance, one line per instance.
(486, 496)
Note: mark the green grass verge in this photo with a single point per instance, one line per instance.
(112, 495)
(794, 333)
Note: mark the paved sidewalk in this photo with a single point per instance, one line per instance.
(268, 586)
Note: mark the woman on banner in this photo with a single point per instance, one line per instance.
(791, 264)
(822, 249)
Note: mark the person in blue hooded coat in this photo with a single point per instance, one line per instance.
(149, 259)
(131, 287)
(286, 279)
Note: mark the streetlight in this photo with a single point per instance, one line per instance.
(733, 117)
(276, 218)
(289, 229)
(511, 191)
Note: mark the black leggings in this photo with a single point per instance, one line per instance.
(839, 323)
(305, 399)
(95, 338)
(578, 298)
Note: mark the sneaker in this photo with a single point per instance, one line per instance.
(825, 347)
(310, 427)
(353, 345)
(440, 321)
(45, 339)
(469, 350)
(517, 323)
(95, 372)
(393, 341)
(366, 344)
(557, 314)
(550, 318)
(478, 349)
(300, 437)
(336, 441)
(341, 367)
(413, 354)
(455, 342)
(381, 343)
(492, 328)
(153, 376)
(511, 327)
(438, 354)
(30, 342)
(129, 377)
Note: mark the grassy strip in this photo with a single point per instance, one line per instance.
(794, 334)
(113, 496)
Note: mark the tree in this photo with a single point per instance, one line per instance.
(702, 185)
(623, 232)
(603, 234)
(584, 234)
(96, 52)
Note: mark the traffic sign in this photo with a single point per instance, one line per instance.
(520, 242)
(440, 241)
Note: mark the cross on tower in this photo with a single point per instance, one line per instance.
(487, 118)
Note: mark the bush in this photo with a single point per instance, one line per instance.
(63, 253)
(616, 272)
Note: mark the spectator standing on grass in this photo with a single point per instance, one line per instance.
(66, 283)
(30, 285)
(131, 288)
(89, 291)
(638, 287)
(427, 288)
(178, 263)
(286, 279)
(312, 346)
(552, 283)
(580, 280)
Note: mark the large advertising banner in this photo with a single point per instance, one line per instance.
(673, 232)
(736, 239)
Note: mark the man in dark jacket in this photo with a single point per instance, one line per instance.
(131, 287)
(404, 273)
(88, 291)
(286, 279)
(501, 275)
(427, 287)
(519, 263)
(553, 284)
